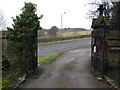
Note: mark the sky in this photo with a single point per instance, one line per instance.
(75, 16)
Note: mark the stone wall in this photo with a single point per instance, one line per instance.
(113, 49)
(113, 56)
(9, 54)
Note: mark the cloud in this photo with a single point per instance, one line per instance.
(52, 10)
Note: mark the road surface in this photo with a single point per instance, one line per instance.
(55, 48)
(70, 70)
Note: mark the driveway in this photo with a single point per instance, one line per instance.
(70, 70)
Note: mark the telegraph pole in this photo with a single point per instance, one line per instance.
(62, 22)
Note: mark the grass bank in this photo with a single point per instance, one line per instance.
(8, 81)
(48, 59)
(55, 42)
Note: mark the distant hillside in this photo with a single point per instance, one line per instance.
(74, 29)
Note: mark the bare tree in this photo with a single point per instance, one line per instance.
(2, 20)
(93, 12)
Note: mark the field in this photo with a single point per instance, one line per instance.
(66, 34)
(69, 34)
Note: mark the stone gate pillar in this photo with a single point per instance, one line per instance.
(99, 56)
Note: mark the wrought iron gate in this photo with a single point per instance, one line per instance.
(97, 52)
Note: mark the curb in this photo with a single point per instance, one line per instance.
(108, 80)
(111, 83)
(20, 81)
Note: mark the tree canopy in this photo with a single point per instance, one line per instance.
(115, 20)
(26, 21)
(53, 31)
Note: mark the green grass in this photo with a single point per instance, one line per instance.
(55, 42)
(48, 59)
(7, 81)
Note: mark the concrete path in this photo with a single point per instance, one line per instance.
(71, 70)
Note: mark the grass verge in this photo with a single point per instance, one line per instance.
(55, 42)
(7, 81)
(48, 59)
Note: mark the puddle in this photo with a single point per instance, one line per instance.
(68, 67)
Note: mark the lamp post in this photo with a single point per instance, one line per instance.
(62, 22)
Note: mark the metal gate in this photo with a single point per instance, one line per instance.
(100, 27)
(97, 52)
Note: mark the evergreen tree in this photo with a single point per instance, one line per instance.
(25, 22)
(116, 16)
(24, 34)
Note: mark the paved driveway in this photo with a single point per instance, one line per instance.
(70, 70)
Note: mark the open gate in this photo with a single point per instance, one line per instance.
(105, 49)
(99, 43)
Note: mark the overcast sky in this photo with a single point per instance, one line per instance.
(75, 16)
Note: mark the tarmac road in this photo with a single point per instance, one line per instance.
(55, 48)
(70, 70)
